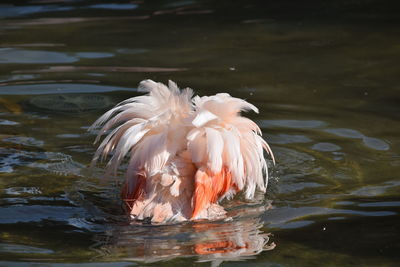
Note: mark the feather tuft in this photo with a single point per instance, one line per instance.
(186, 153)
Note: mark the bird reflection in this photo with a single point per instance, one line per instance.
(236, 238)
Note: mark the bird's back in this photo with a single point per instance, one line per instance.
(185, 154)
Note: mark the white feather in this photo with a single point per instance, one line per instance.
(197, 145)
(215, 146)
(233, 156)
(169, 135)
(203, 118)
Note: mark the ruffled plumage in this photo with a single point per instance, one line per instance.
(185, 154)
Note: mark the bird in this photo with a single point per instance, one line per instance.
(184, 154)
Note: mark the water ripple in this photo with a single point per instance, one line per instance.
(20, 56)
(57, 163)
(370, 142)
(15, 11)
(15, 191)
(22, 249)
(24, 140)
(114, 6)
(307, 124)
(325, 147)
(293, 217)
(37, 213)
(7, 122)
(208, 241)
(52, 88)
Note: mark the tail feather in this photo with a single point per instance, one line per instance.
(129, 196)
(112, 139)
(129, 138)
(168, 129)
(234, 139)
(138, 118)
(209, 187)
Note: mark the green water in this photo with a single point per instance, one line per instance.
(325, 77)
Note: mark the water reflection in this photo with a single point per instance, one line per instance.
(24, 141)
(57, 87)
(325, 147)
(325, 77)
(301, 124)
(8, 10)
(18, 77)
(114, 6)
(67, 20)
(7, 122)
(234, 239)
(101, 69)
(93, 55)
(11, 55)
(11, 248)
(297, 217)
(15, 11)
(56, 163)
(74, 103)
(370, 142)
(288, 139)
(21, 56)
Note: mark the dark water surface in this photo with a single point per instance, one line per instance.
(325, 75)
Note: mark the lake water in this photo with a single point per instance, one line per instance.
(324, 74)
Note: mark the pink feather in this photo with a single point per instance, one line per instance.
(186, 153)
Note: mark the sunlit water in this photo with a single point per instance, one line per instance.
(325, 77)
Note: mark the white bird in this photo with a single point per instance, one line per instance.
(186, 153)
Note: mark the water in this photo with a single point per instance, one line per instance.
(324, 75)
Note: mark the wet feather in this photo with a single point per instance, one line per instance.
(185, 153)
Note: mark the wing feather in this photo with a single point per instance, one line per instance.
(215, 146)
(225, 149)
(232, 141)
